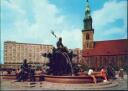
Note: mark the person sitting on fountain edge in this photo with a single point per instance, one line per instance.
(90, 73)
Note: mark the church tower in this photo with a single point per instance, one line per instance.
(88, 31)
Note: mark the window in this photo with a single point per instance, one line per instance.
(87, 36)
(87, 45)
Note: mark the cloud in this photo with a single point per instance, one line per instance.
(111, 11)
(108, 16)
(46, 17)
(73, 38)
(13, 5)
(114, 30)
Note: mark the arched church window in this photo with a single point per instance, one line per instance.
(87, 45)
(87, 36)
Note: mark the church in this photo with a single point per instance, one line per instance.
(101, 53)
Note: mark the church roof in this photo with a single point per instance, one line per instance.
(111, 47)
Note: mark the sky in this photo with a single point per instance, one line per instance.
(31, 21)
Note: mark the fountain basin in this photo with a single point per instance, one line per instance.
(72, 79)
(9, 77)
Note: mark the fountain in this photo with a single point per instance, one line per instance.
(61, 68)
(60, 60)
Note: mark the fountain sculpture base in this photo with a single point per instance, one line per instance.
(72, 79)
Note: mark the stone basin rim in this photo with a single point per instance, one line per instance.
(83, 76)
(70, 79)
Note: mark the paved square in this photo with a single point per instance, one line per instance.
(111, 85)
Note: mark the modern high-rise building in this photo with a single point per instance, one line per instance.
(15, 53)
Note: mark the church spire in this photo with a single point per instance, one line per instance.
(87, 18)
(87, 10)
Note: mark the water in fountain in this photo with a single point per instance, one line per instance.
(68, 61)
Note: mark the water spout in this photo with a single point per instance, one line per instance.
(69, 61)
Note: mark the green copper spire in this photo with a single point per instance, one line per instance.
(87, 10)
(87, 19)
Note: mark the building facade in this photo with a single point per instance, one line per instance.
(15, 53)
(78, 58)
(102, 53)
